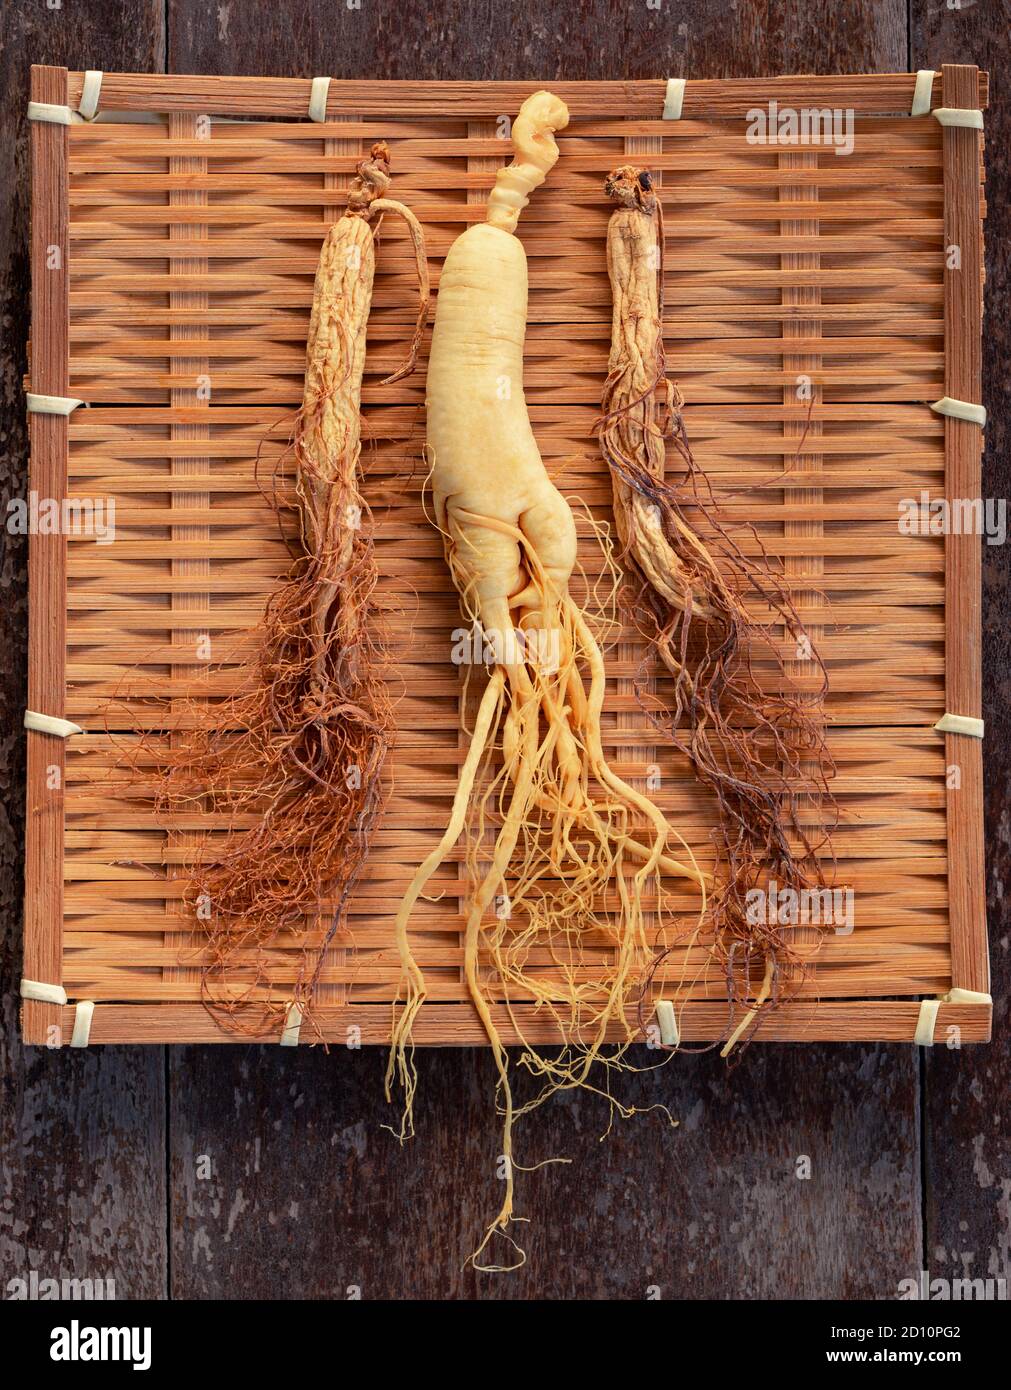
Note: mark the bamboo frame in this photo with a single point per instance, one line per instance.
(869, 94)
(963, 380)
(47, 563)
(441, 1025)
(165, 205)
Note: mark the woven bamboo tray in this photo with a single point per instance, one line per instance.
(189, 247)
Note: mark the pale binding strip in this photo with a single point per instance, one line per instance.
(317, 98)
(51, 405)
(960, 724)
(43, 993)
(48, 111)
(62, 115)
(960, 116)
(83, 1015)
(960, 410)
(132, 118)
(674, 98)
(91, 91)
(924, 1035)
(922, 92)
(50, 724)
(292, 1024)
(666, 1017)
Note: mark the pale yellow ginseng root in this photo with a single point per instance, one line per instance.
(565, 829)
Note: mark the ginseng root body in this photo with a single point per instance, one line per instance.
(762, 753)
(563, 829)
(298, 751)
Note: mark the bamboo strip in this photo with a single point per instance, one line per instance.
(439, 135)
(808, 365)
(194, 370)
(47, 559)
(963, 309)
(456, 1025)
(870, 94)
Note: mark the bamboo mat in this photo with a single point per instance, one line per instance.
(192, 243)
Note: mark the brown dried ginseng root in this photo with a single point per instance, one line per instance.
(300, 747)
(763, 755)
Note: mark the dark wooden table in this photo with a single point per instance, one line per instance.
(240, 1172)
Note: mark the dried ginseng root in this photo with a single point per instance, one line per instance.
(300, 747)
(763, 755)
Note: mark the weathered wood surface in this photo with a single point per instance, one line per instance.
(282, 1181)
(82, 1135)
(307, 1196)
(967, 1160)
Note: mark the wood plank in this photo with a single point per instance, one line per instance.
(81, 1134)
(450, 1023)
(47, 564)
(968, 1225)
(283, 1212)
(705, 99)
(963, 303)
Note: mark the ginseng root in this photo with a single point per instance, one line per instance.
(563, 827)
(302, 744)
(764, 755)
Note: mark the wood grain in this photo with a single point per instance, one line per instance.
(445, 1024)
(870, 94)
(963, 312)
(966, 1117)
(47, 564)
(82, 1135)
(322, 1200)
